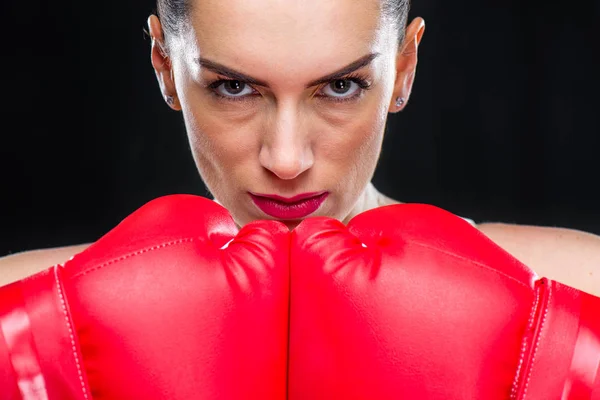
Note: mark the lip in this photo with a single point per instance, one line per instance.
(295, 207)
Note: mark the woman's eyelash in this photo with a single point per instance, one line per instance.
(214, 85)
(220, 81)
(361, 80)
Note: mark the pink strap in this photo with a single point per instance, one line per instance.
(564, 352)
(584, 373)
(40, 341)
(22, 353)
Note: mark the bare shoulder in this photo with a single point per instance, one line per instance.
(21, 265)
(568, 256)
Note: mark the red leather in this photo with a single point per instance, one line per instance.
(159, 311)
(412, 302)
(39, 351)
(564, 347)
(407, 301)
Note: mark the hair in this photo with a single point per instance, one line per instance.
(173, 13)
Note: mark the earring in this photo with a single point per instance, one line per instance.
(170, 100)
(400, 101)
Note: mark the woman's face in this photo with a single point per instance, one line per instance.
(284, 99)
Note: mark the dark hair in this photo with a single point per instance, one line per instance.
(172, 13)
(397, 10)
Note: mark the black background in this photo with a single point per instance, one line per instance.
(503, 123)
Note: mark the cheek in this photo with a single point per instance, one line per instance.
(215, 138)
(354, 140)
(220, 147)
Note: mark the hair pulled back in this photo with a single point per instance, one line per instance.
(173, 13)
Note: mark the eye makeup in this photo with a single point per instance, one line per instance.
(218, 86)
(358, 79)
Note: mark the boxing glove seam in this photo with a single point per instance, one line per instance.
(544, 293)
(71, 337)
(524, 346)
(470, 261)
(130, 255)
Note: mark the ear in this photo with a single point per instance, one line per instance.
(406, 65)
(162, 63)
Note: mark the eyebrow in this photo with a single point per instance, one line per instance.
(238, 76)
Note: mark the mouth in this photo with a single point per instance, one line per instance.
(290, 208)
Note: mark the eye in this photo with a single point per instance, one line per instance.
(341, 88)
(233, 88)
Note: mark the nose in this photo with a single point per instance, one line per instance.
(286, 150)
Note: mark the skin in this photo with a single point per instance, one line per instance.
(288, 136)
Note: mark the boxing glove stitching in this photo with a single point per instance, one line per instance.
(71, 337)
(137, 253)
(524, 346)
(470, 261)
(545, 295)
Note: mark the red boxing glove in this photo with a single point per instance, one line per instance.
(159, 308)
(407, 302)
(411, 302)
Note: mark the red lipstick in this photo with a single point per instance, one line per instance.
(296, 207)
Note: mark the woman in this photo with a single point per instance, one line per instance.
(285, 105)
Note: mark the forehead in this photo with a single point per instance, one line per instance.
(289, 34)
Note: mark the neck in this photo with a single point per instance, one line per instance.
(371, 198)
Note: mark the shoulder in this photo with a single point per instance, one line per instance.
(568, 256)
(21, 265)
